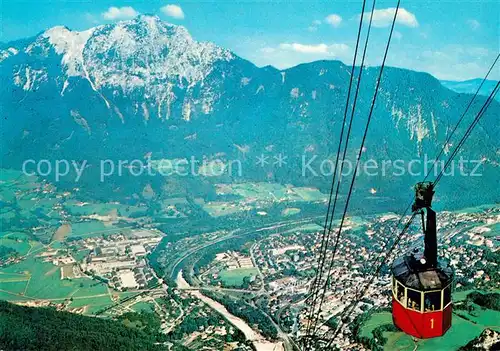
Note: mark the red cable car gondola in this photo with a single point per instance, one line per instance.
(422, 284)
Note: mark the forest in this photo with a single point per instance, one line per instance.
(29, 328)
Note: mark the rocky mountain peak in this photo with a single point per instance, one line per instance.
(144, 52)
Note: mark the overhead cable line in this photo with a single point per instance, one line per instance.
(327, 282)
(469, 131)
(339, 232)
(351, 307)
(448, 138)
(346, 314)
(437, 157)
(319, 272)
(374, 99)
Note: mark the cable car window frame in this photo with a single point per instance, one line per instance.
(418, 301)
(445, 303)
(438, 297)
(399, 286)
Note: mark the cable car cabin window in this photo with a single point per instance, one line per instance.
(432, 301)
(446, 296)
(414, 300)
(400, 293)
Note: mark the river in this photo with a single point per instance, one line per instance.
(260, 343)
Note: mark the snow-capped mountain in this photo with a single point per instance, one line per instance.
(144, 86)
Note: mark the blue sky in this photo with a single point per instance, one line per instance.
(453, 40)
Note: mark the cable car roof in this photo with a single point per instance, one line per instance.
(414, 272)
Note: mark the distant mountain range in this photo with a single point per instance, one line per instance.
(146, 87)
(470, 86)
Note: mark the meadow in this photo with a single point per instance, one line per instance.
(77, 208)
(21, 245)
(290, 211)
(235, 277)
(219, 209)
(42, 280)
(143, 306)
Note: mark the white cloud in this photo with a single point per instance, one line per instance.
(316, 22)
(305, 49)
(384, 17)
(287, 55)
(330, 50)
(398, 35)
(174, 11)
(333, 20)
(474, 24)
(114, 13)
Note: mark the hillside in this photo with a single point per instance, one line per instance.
(28, 328)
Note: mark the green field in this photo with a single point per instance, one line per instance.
(291, 211)
(376, 320)
(9, 296)
(14, 236)
(263, 191)
(21, 246)
(12, 277)
(462, 295)
(494, 231)
(33, 279)
(92, 228)
(37, 278)
(175, 201)
(79, 209)
(13, 287)
(234, 277)
(310, 227)
(218, 209)
(310, 194)
(212, 168)
(143, 307)
(44, 281)
(91, 304)
(257, 191)
(482, 316)
(251, 195)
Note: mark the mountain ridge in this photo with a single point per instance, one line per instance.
(147, 85)
(470, 86)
